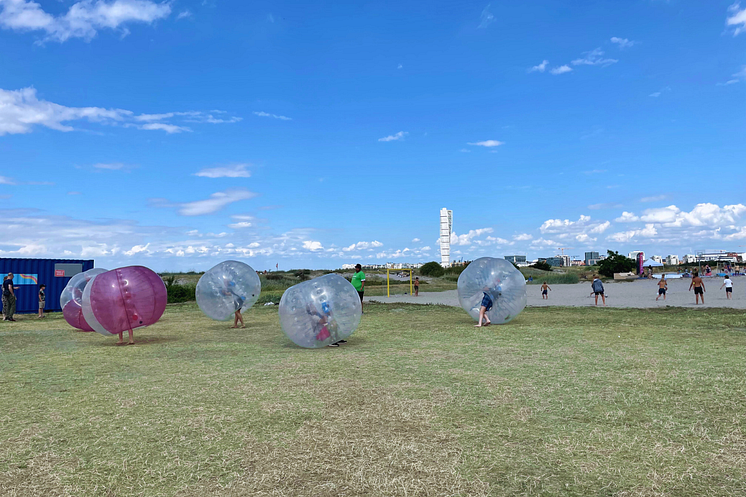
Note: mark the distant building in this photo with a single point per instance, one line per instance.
(657, 258)
(516, 259)
(633, 254)
(591, 258)
(577, 262)
(672, 260)
(554, 261)
(689, 259)
(446, 228)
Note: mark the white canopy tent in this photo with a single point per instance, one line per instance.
(651, 262)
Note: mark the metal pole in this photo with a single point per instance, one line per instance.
(388, 288)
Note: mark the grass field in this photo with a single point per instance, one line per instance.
(561, 401)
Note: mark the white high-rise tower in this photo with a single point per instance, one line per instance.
(446, 226)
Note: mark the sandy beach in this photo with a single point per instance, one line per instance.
(635, 294)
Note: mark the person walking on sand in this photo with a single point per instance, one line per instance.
(484, 308)
(417, 286)
(699, 288)
(42, 299)
(9, 298)
(728, 284)
(662, 287)
(358, 281)
(598, 289)
(545, 291)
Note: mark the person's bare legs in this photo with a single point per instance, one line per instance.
(596, 299)
(603, 298)
(236, 318)
(240, 318)
(483, 317)
(121, 338)
(132, 338)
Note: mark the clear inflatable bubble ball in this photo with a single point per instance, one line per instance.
(228, 287)
(495, 282)
(71, 299)
(124, 299)
(320, 311)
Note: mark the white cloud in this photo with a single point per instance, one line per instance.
(660, 92)
(468, 238)
(363, 246)
(184, 14)
(415, 240)
(561, 69)
(654, 198)
(600, 228)
(313, 246)
(622, 42)
(84, 18)
(627, 217)
(399, 66)
(114, 166)
(736, 18)
(706, 214)
(648, 231)
(608, 205)
(594, 58)
(274, 116)
(241, 225)
(168, 128)
(4, 180)
(398, 136)
(737, 78)
(21, 110)
(214, 203)
(522, 237)
(487, 143)
(540, 68)
(137, 249)
(486, 17)
(73, 193)
(542, 242)
(234, 171)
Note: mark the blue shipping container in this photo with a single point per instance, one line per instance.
(30, 273)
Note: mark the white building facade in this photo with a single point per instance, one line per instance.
(446, 228)
(672, 260)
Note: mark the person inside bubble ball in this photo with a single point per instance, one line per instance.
(325, 326)
(484, 308)
(238, 302)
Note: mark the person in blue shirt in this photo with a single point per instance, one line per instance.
(598, 289)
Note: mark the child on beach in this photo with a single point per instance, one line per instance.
(662, 287)
(598, 289)
(483, 309)
(728, 284)
(699, 288)
(544, 291)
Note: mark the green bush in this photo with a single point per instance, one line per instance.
(616, 263)
(432, 269)
(457, 270)
(180, 293)
(542, 265)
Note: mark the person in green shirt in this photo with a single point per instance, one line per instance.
(358, 281)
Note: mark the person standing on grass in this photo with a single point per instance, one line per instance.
(417, 286)
(728, 284)
(662, 287)
(484, 309)
(699, 288)
(598, 289)
(9, 298)
(358, 281)
(42, 299)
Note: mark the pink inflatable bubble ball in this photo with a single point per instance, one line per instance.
(124, 299)
(71, 299)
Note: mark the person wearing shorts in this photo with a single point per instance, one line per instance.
(484, 308)
(358, 281)
(728, 284)
(42, 299)
(417, 286)
(598, 289)
(699, 288)
(545, 291)
(662, 287)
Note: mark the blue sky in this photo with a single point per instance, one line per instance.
(179, 134)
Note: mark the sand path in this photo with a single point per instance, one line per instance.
(636, 294)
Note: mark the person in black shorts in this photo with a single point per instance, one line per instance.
(699, 288)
